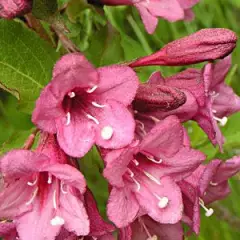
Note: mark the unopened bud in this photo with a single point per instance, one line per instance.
(204, 45)
(152, 96)
(13, 8)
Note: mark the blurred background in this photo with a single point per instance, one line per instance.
(126, 39)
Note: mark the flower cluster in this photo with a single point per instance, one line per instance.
(157, 181)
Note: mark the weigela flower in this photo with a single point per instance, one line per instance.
(144, 175)
(42, 193)
(12, 8)
(150, 10)
(205, 185)
(204, 45)
(83, 105)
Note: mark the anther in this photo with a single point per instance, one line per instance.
(32, 183)
(163, 201)
(49, 178)
(33, 197)
(222, 121)
(71, 94)
(154, 237)
(209, 211)
(135, 162)
(98, 105)
(154, 160)
(152, 177)
(91, 90)
(136, 182)
(68, 118)
(57, 221)
(62, 189)
(214, 111)
(92, 118)
(107, 132)
(213, 184)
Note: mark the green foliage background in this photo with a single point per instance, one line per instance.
(26, 64)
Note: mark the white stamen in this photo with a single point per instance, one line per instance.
(33, 197)
(214, 111)
(222, 121)
(154, 160)
(156, 120)
(92, 118)
(154, 237)
(54, 199)
(32, 183)
(141, 124)
(213, 184)
(107, 132)
(98, 105)
(49, 181)
(136, 182)
(62, 189)
(209, 211)
(71, 94)
(68, 115)
(135, 162)
(163, 201)
(152, 178)
(91, 90)
(57, 221)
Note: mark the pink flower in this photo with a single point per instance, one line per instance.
(84, 105)
(150, 10)
(12, 8)
(8, 230)
(144, 176)
(204, 45)
(208, 183)
(42, 193)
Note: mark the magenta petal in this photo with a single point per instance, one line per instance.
(107, 237)
(8, 231)
(150, 21)
(122, 207)
(74, 214)
(125, 233)
(14, 198)
(115, 82)
(148, 200)
(98, 227)
(68, 175)
(21, 163)
(168, 132)
(77, 137)
(119, 119)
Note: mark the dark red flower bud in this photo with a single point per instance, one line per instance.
(152, 96)
(204, 45)
(12, 8)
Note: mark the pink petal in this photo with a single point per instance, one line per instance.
(36, 224)
(68, 175)
(73, 212)
(8, 231)
(77, 137)
(122, 207)
(106, 237)
(14, 197)
(125, 233)
(169, 133)
(185, 4)
(115, 82)
(150, 21)
(116, 166)
(120, 120)
(22, 163)
(147, 199)
(156, 78)
(167, 9)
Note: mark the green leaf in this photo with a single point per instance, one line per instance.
(26, 63)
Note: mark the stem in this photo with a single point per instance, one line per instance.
(30, 140)
(139, 34)
(224, 214)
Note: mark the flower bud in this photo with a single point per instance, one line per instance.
(204, 45)
(12, 8)
(152, 96)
